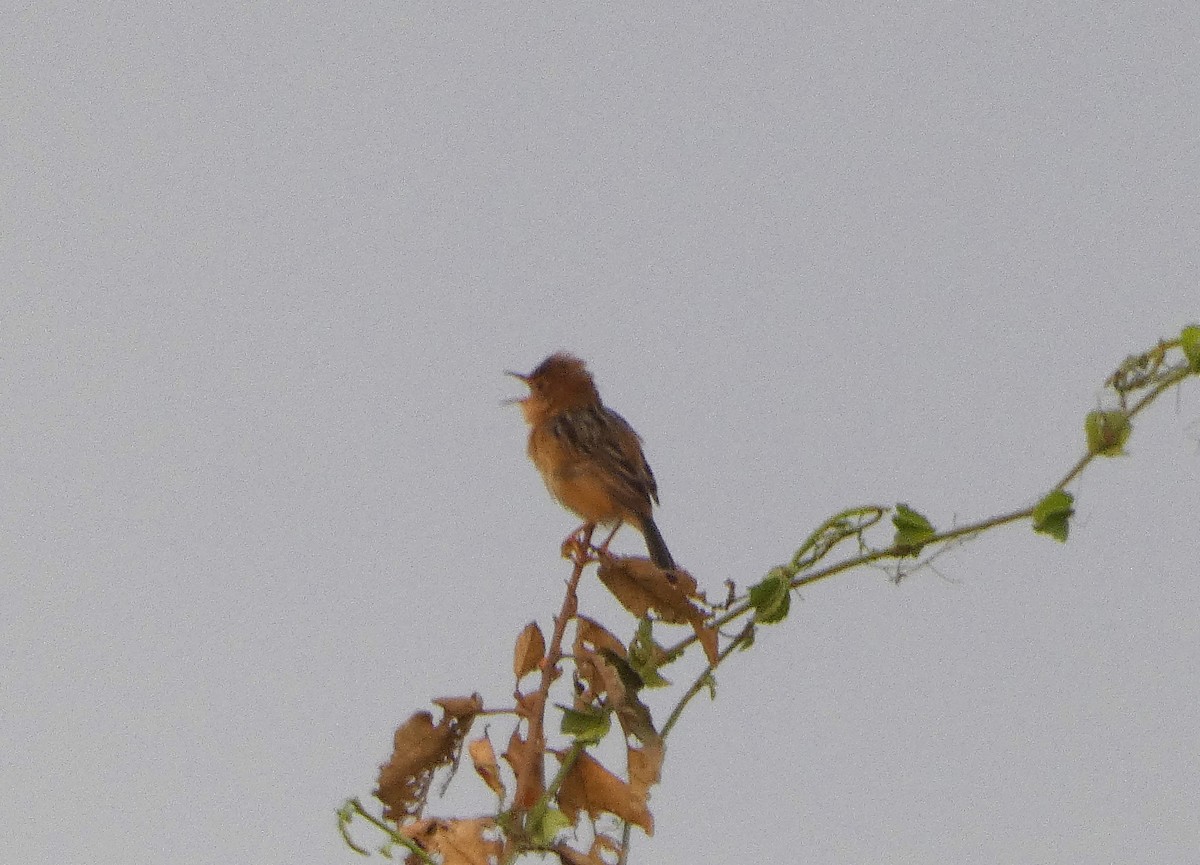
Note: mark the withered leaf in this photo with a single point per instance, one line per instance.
(530, 650)
(461, 708)
(571, 856)
(483, 756)
(707, 637)
(630, 678)
(590, 787)
(635, 720)
(592, 643)
(589, 632)
(645, 766)
(419, 748)
(641, 586)
(604, 844)
(609, 676)
(529, 705)
(457, 842)
(526, 763)
(601, 677)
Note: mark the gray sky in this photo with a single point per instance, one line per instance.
(265, 264)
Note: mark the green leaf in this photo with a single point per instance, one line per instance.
(771, 598)
(585, 726)
(645, 656)
(630, 677)
(1052, 514)
(1107, 432)
(1189, 340)
(913, 530)
(552, 824)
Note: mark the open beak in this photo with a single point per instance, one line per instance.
(516, 400)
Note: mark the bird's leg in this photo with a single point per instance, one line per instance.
(603, 548)
(578, 543)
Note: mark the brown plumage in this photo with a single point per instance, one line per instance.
(589, 456)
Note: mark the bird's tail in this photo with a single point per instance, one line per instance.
(656, 546)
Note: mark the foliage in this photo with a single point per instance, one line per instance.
(539, 815)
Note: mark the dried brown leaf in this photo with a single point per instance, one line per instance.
(590, 787)
(645, 767)
(707, 637)
(418, 829)
(530, 650)
(457, 842)
(527, 764)
(604, 844)
(600, 676)
(462, 709)
(591, 638)
(571, 856)
(590, 632)
(642, 586)
(530, 705)
(483, 756)
(419, 747)
(612, 682)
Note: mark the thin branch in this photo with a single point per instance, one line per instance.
(701, 680)
(550, 672)
(403, 840)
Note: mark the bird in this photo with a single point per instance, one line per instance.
(589, 457)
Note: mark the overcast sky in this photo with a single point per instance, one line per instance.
(264, 265)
